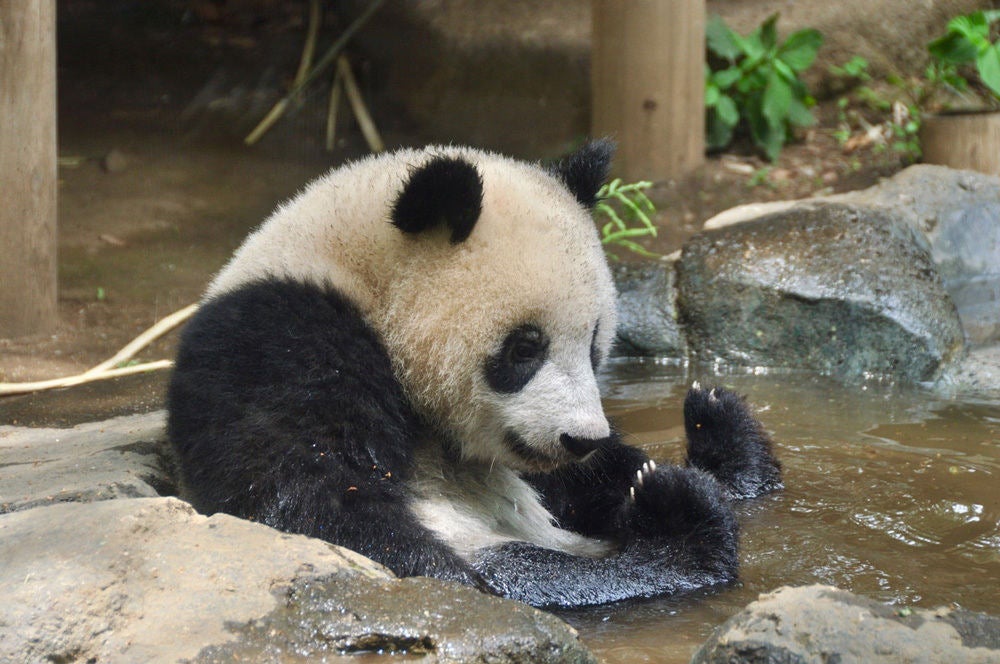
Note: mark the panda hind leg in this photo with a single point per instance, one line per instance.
(725, 439)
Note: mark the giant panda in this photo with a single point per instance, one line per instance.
(401, 360)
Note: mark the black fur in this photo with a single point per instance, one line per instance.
(521, 355)
(748, 469)
(584, 171)
(284, 409)
(679, 534)
(446, 190)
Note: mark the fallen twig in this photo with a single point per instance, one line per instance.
(109, 368)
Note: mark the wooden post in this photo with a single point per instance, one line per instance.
(27, 167)
(648, 80)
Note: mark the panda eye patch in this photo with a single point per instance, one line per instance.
(522, 354)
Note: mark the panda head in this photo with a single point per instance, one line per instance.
(497, 305)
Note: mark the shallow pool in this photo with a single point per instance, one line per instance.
(891, 492)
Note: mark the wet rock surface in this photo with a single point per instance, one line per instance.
(825, 624)
(827, 287)
(647, 310)
(95, 566)
(125, 457)
(888, 281)
(958, 212)
(955, 213)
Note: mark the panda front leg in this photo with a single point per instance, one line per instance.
(679, 533)
(725, 439)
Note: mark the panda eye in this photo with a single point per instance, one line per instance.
(527, 345)
(522, 353)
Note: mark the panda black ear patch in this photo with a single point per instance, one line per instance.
(584, 171)
(445, 190)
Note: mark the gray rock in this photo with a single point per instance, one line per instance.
(839, 289)
(150, 580)
(959, 213)
(441, 622)
(958, 216)
(118, 458)
(647, 311)
(824, 624)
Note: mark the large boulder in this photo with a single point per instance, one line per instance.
(95, 566)
(955, 213)
(824, 624)
(838, 289)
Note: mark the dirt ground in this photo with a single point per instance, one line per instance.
(148, 211)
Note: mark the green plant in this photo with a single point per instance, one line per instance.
(893, 120)
(635, 207)
(758, 83)
(966, 42)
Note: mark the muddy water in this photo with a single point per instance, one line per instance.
(891, 492)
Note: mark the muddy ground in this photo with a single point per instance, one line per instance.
(153, 201)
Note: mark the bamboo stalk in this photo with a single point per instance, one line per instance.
(305, 62)
(368, 128)
(331, 114)
(328, 59)
(109, 368)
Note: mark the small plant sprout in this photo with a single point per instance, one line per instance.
(636, 209)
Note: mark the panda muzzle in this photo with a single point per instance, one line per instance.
(581, 447)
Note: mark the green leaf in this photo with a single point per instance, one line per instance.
(988, 64)
(973, 27)
(728, 113)
(799, 114)
(720, 39)
(799, 50)
(771, 141)
(769, 32)
(712, 95)
(785, 71)
(777, 99)
(717, 133)
(953, 49)
(752, 45)
(726, 77)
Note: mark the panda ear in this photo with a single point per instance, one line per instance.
(584, 171)
(445, 190)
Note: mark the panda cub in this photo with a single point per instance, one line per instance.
(401, 360)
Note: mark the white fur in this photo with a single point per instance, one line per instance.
(442, 309)
(473, 506)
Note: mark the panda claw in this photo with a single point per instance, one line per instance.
(638, 477)
(652, 466)
(631, 493)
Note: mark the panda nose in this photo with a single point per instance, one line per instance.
(581, 447)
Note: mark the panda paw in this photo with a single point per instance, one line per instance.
(648, 468)
(676, 502)
(728, 441)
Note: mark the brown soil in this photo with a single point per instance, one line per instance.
(147, 213)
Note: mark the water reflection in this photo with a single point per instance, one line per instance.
(892, 492)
